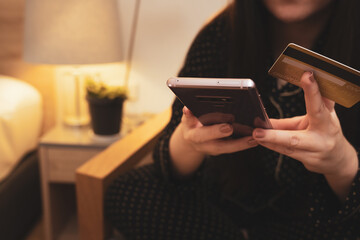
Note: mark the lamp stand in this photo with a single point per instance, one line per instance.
(77, 115)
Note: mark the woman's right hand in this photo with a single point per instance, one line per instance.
(191, 142)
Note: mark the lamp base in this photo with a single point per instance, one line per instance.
(74, 121)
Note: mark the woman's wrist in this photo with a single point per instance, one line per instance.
(351, 162)
(340, 180)
(185, 158)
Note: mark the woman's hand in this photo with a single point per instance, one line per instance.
(209, 140)
(315, 139)
(191, 142)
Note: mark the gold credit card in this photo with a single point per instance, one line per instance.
(336, 81)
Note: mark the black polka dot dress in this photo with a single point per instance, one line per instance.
(255, 194)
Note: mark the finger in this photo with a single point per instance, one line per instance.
(227, 146)
(287, 123)
(188, 119)
(282, 139)
(330, 105)
(298, 154)
(208, 133)
(315, 106)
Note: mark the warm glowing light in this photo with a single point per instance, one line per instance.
(111, 74)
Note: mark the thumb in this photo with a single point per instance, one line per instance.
(315, 106)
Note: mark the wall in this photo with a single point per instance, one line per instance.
(165, 31)
(11, 36)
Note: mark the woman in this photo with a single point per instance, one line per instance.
(300, 180)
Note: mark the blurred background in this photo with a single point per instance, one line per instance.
(165, 29)
(39, 85)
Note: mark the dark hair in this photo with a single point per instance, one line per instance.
(343, 36)
(250, 55)
(250, 47)
(250, 44)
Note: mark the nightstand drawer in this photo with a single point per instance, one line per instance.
(62, 162)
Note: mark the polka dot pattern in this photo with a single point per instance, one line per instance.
(143, 206)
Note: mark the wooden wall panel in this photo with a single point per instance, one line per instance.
(11, 63)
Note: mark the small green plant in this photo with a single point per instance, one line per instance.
(99, 89)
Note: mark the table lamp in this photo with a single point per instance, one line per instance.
(74, 33)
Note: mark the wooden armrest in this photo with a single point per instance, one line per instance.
(94, 176)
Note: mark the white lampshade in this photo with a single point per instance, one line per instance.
(72, 32)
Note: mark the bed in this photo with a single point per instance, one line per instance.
(20, 126)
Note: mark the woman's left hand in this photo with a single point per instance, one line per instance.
(315, 139)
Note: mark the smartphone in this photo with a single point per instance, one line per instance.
(222, 100)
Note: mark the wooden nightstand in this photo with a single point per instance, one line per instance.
(62, 151)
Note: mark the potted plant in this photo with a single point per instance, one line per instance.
(105, 106)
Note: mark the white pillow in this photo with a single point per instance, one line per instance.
(20, 121)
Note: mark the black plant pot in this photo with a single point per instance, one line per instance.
(105, 114)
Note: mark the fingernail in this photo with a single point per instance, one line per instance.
(225, 128)
(311, 76)
(259, 133)
(252, 142)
